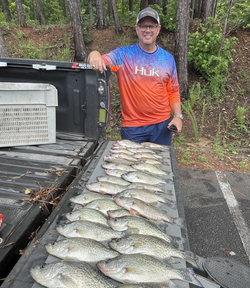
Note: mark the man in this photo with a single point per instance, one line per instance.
(148, 83)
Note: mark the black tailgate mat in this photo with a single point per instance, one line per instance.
(36, 254)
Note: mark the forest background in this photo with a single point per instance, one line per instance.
(210, 40)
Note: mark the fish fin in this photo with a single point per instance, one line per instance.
(189, 276)
(133, 271)
(102, 192)
(67, 281)
(130, 231)
(179, 222)
(137, 244)
(79, 231)
(133, 212)
(191, 258)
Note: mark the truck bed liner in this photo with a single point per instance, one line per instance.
(25, 172)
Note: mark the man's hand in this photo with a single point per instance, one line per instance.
(177, 122)
(96, 61)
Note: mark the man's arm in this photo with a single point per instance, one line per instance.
(96, 61)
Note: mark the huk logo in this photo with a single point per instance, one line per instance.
(145, 72)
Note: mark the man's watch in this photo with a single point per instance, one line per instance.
(179, 115)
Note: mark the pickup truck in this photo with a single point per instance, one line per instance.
(39, 176)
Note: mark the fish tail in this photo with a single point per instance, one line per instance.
(171, 204)
(178, 242)
(179, 222)
(191, 258)
(171, 285)
(189, 276)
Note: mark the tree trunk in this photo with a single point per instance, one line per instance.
(20, 15)
(76, 20)
(66, 7)
(90, 10)
(6, 10)
(101, 15)
(181, 40)
(118, 28)
(206, 10)
(225, 25)
(196, 5)
(3, 50)
(144, 4)
(131, 6)
(164, 7)
(110, 9)
(39, 12)
(152, 2)
(215, 7)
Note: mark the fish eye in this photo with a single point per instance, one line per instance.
(43, 266)
(108, 261)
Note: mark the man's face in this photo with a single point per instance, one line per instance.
(147, 30)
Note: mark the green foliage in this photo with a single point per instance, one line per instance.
(64, 54)
(203, 55)
(167, 21)
(240, 118)
(195, 97)
(239, 16)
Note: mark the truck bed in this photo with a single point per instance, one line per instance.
(35, 254)
(31, 175)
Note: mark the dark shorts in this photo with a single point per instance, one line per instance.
(156, 133)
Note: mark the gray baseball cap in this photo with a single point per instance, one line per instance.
(148, 12)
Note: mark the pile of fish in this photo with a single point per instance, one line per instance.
(113, 235)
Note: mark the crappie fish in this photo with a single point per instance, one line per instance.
(148, 211)
(115, 172)
(129, 144)
(141, 150)
(141, 177)
(86, 197)
(149, 187)
(137, 225)
(120, 150)
(119, 166)
(148, 285)
(118, 213)
(114, 159)
(136, 268)
(87, 214)
(154, 146)
(71, 274)
(80, 249)
(153, 246)
(150, 161)
(105, 187)
(113, 179)
(103, 205)
(149, 168)
(147, 155)
(88, 229)
(124, 156)
(145, 195)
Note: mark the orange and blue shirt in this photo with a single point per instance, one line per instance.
(147, 82)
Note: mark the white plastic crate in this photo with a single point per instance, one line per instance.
(27, 114)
